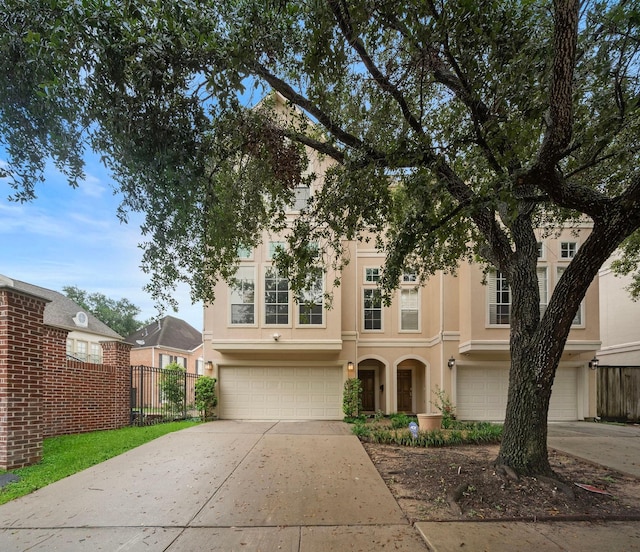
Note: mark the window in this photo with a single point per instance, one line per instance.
(273, 247)
(372, 309)
(577, 320)
(276, 298)
(371, 275)
(409, 278)
(81, 350)
(199, 367)
(244, 252)
(540, 250)
(95, 353)
(165, 360)
(242, 296)
(301, 196)
(499, 298)
(568, 250)
(543, 288)
(409, 309)
(310, 307)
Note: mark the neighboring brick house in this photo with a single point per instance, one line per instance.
(85, 331)
(277, 359)
(167, 340)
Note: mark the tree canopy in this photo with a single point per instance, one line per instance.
(119, 315)
(491, 119)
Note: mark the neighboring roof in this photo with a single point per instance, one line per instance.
(62, 312)
(169, 332)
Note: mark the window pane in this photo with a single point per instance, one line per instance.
(372, 310)
(409, 309)
(276, 298)
(241, 298)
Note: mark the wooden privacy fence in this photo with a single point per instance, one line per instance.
(619, 393)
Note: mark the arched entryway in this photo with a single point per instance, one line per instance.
(411, 384)
(372, 375)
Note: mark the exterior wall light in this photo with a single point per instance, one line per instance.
(350, 366)
(594, 363)
(209, 365)
(276, 336)
(451, 363)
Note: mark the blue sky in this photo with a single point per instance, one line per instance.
(72, 237)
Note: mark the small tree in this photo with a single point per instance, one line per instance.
(172, 385)
(352, 398)
(206, 399)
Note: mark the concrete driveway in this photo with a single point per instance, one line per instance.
(614, 445)
(290, 486)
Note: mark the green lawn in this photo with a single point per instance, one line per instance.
(67, 454)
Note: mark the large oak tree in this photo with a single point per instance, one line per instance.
(491, 119)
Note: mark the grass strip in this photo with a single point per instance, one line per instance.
(65, 455)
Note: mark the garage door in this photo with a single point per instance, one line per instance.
(280, 393)
(482, 394)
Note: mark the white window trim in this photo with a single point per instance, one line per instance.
(581, 310)
(256, 309)
(367, 330)
(298, 324)
(419, 304)
(263, 304)
(364, 275)
(567, 259)
(492, 301)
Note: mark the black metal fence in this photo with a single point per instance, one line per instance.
(159, 395)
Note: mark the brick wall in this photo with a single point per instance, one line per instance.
(42, 393)
(80, 397)
(21, 365)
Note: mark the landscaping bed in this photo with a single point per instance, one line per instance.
(459, 482)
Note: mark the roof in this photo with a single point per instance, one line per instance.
(62, 312)
(168, 332)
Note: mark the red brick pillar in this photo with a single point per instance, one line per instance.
(21, 334)
(118, 354)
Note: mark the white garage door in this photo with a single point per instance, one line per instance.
(280, 393)
(482, 394)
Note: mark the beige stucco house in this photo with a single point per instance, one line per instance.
(277, 359)
(620, 320)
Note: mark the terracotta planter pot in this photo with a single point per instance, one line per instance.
(429, 422)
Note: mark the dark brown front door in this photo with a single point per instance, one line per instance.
(368, 381)
(404, 391)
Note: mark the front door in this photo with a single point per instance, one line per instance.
(368, 381)
(405, 403)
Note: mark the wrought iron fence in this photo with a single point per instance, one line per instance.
(159, 395)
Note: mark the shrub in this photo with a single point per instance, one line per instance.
(206, 399)
(352, 398)
(172, 386)
(400, 421)
(444, 405)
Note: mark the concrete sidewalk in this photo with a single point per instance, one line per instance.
(294, 486)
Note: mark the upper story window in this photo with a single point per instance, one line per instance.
(242, 296)
(409, 278)
(409, 310)
(372, 309)
(276, 298)
(372, 275)
(95, 353)
(165, 360)
(244, 253)
(540, 250)
(274, 247)
(301, 196)
(500, 296)
(568, 250)
(311, 305)
(578, 318)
